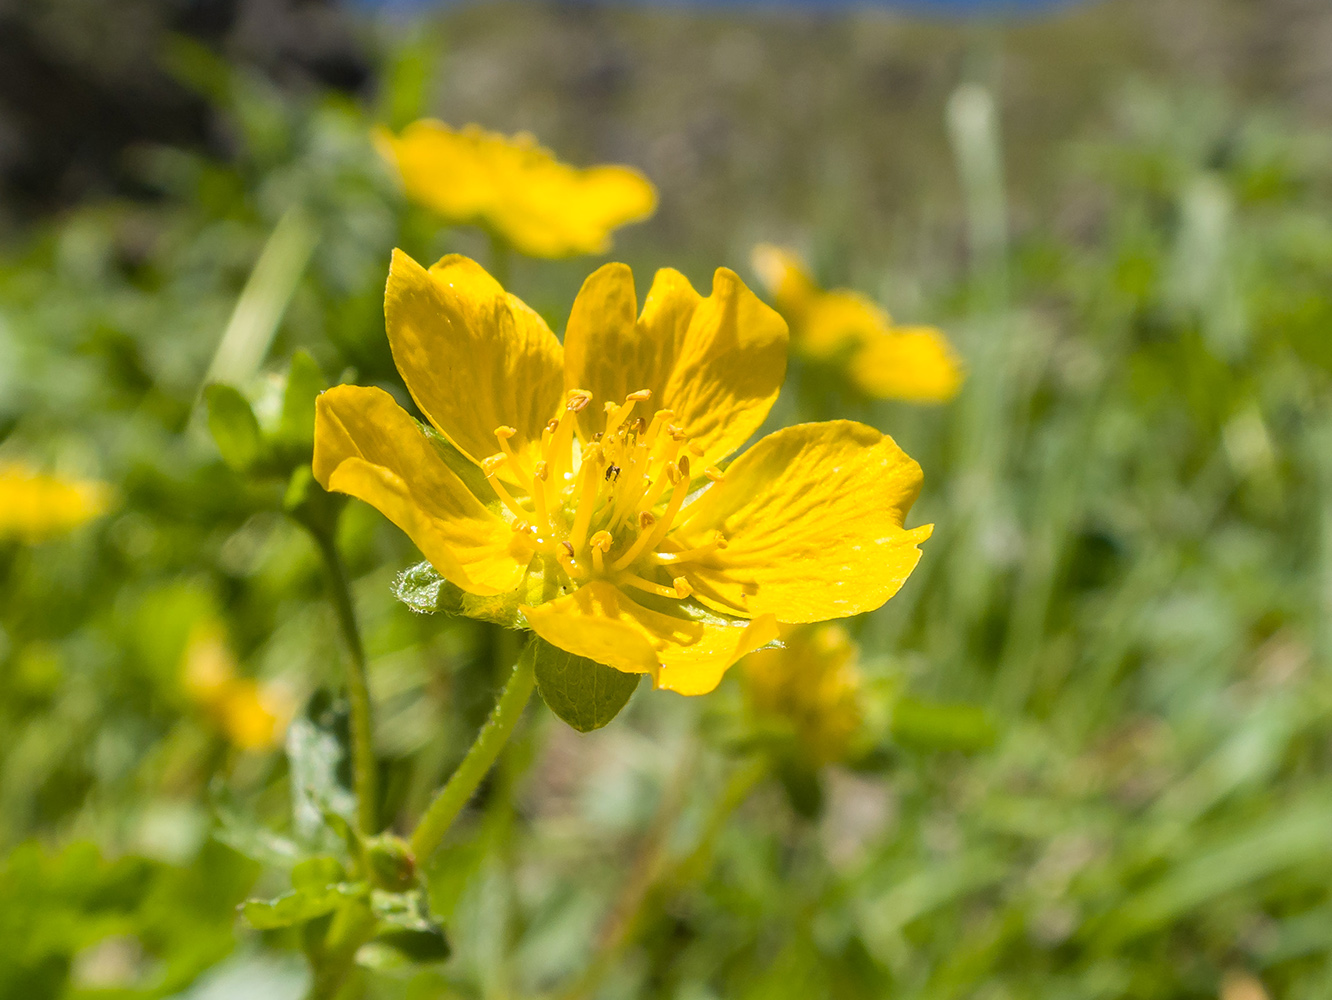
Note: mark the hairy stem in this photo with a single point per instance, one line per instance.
(358, 691)
(489, 742)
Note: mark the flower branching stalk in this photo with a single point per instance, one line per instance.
(584, 491)
(494, 735)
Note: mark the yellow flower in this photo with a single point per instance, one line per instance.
(603, 516)
(812, 685)
(886, 361)
(35, 507)
(516, 188)
(251, 715)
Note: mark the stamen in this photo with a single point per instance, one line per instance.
(539, 498)
(653, 588)
(685, 555)
(682, 588)
(714, 473)
(601, 543)
(491, 467)
(615, 417)
(658, 421)
(649, 538)
(564, 555)
(589, 476)
(658, 489)
(504, 433)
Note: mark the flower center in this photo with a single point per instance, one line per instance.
(604, 509)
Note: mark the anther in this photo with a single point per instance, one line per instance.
(646, 519)
(504, 433)
(568, 547)
(683, 465)
(638, 426)
(696, 449)
(578, 400)
(552, 426)
(714, 473)
(542, 470)
(642, 395)
(596, 438)
(682, 588)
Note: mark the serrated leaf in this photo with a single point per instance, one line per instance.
(299, 905)
(320, 763)
(304, 382)
(582, 692)
(234, 427)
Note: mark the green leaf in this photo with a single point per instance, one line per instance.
(423, 590)
(395, 948)
(234, 427)
(317, 749)
(304, 382)
(244, 835)
(582, 692)
(318, 872)
(299, 905)
(925, 725)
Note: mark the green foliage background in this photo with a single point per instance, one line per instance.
(1103, 699)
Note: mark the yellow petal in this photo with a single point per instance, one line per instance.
(510, 184)
(369, 447)
(440, 169)
(683, 654)
(717, 362)
(474, 358)
(35, 507)
(814, 519)
(914, 363)
(838, 319)
(786, 279)
(551, 209)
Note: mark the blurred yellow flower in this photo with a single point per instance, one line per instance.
(884, 360)
(251, 715)
(610, 528)
(811, 685)
(35, 507)
(516, 188)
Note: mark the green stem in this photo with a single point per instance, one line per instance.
(351, 928)
(489, 742)
(358, 690)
